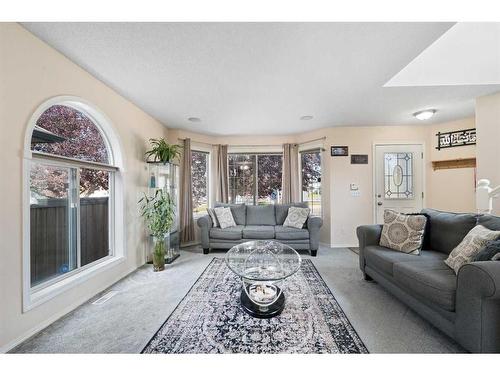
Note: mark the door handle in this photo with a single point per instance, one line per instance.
(379, 203)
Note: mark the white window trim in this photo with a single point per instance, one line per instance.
(33, 297)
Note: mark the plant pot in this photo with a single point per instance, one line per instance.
(158, 254)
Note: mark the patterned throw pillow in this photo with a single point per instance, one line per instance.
(213, 216)
(470, 246)
(296, 217)
(402, 232)
(224, 217)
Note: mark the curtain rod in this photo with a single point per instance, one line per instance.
(313, 140)
(205, 143)
(213, 144)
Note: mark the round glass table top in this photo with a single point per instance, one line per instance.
(263, 260)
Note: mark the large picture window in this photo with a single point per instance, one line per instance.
(71, 180)
(255, 178)
(199, 176)
(310, 164)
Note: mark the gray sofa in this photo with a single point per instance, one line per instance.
(465, 306)
(260, 223)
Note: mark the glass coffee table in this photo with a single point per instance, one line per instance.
(263, 267)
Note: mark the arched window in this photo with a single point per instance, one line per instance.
(72, 183)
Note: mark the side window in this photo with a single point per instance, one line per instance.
(199, 175)
(71, 193)
(310, 162)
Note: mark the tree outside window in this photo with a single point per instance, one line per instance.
(69, 200)
(255, 178)
(199, 176)
(311, 180)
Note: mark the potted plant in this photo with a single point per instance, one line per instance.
(158, 211)
(163, 152)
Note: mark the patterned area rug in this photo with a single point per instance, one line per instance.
(210, 320)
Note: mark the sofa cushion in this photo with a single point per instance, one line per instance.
(282, 210)
(446, 229)
(265, 232)
(238, 211)
(489, 221)
(431, 280)
(232, 233)
(261, 215)
(383, 259)
(288, 233)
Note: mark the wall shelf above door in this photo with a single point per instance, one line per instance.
(454, 163)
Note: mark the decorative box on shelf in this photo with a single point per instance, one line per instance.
(165, 176)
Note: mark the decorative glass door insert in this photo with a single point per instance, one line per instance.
(398, 175)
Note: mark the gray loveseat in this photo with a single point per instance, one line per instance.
(465, 306)
(260, 223)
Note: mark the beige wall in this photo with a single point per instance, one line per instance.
(30, 73)
(451, 189)
(488, 138)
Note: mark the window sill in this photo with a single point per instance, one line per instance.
(38, 297)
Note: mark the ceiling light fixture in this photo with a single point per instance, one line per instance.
(425, 114)
(194, 119)
(305, 118)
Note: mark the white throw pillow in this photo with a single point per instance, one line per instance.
(224, 217)
(296, 217)
(213, 216)
(473, 242)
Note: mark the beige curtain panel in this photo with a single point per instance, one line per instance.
(186, 193)
(290, 177)
(221, 174)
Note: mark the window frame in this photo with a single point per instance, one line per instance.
(35, 295)
(209, 179)
(256, 168)
(310, 151)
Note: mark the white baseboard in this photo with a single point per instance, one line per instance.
(343, 245)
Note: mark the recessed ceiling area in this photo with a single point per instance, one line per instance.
(467, 54)
(261, 78)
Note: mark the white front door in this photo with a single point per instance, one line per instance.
(398, 179)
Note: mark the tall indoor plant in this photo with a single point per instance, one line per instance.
(163, 152)
(158, 211)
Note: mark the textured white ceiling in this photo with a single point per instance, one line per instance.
(259, 78)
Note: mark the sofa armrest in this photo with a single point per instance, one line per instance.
(205, 223)
(478, 307)
(314, 224)
(368, 235)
